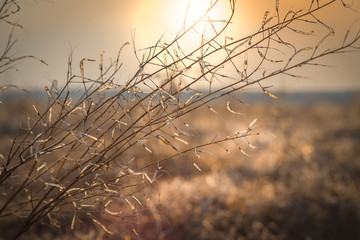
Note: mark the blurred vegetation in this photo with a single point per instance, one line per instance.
(304, 184)
(300, 182)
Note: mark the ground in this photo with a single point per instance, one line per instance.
(302, 181)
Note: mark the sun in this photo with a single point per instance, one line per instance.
(199, 12)
(156, 17)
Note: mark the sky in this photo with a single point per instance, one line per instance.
(88, 27)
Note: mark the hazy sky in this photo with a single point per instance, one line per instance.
(52, 28)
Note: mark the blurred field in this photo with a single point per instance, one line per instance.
(302, 181)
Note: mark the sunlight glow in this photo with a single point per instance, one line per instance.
(194, 10)
(170, 17)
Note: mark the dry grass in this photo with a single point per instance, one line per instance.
(301, 184)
